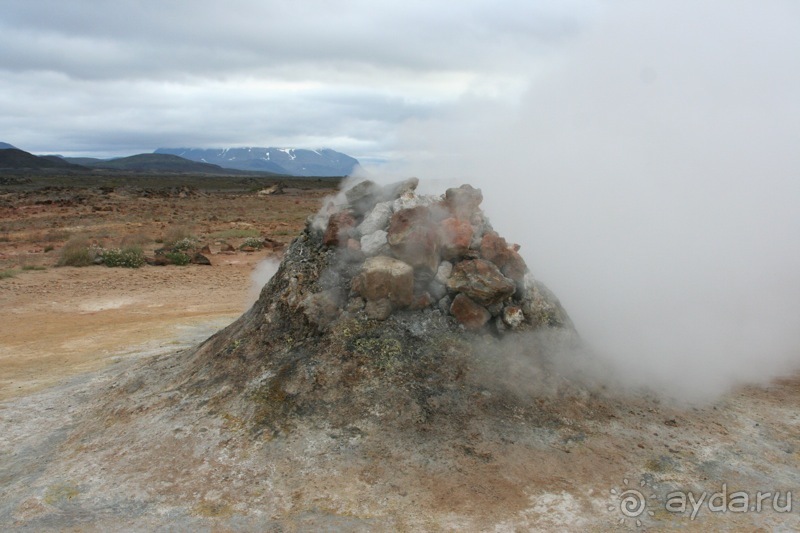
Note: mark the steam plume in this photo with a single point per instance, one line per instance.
(652, 179)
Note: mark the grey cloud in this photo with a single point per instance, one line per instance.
(171, 39)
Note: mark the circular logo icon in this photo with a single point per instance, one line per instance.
(631, 503)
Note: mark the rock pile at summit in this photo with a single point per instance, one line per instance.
(398, 250)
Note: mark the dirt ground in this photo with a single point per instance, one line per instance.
(56, 322)
(90, 440)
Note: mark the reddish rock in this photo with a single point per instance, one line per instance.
(463, 201)
(227, 248)
(494, 248)
(455, 236)
(338, 226)
(205, 250)
(515, 267)
(271, 244)
(469, 313)
(200, 259)
(385, 277)
(378, 309)
(413, 238)
(481, 280)
(421, 301)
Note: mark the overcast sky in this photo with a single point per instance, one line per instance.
(98, 77)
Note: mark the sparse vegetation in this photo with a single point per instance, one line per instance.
(8, 273)
(184, 245)
(253, 242)
(178, 258)
(129, 257)
(176, 234)
(34, 267)
(236, 233)
(76, 252)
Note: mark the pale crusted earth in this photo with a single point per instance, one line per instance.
(95, 437)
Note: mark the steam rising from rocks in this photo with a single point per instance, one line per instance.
(652, 179)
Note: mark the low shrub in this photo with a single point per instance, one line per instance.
(176, 234)
(178, 258)
(77, 252)
(130, 257)
(5, 274)
(253, 242)
(184, 245)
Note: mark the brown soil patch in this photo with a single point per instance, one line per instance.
(62, 321)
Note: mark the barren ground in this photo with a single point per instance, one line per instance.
(69, 337)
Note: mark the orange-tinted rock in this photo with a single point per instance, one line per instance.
(338, 226)
(455, 236)
(515, 268)
(482, 281)
(469, 313)
(421, 301)
(463, 201)
(413, 238)
(385, 277)
(494, 248)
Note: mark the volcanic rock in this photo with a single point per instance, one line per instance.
(200, 259)
(482, 281)
(378, 309)
(513, 316)
(385, 277)
(413, 238)
(338, 226)
(377, 219)
(455, 236)
(469, 313)
(463, 201)
(374, 243)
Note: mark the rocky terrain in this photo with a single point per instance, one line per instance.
(402, 370)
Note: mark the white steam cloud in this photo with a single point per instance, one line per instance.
(261, 274)
(653, 178)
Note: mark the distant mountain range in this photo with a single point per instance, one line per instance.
(283, 161)
(291, 161)
(151, 163)
(14, 158)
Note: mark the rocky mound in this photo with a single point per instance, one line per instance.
(389, 298)
(399, 250)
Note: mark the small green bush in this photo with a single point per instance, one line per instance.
(77, 252)
(253, 242)
(178, 258)
(34, 267)
(184, 245)
(5, 274)
(130, 257)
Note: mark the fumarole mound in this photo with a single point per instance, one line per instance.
(390, 306)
